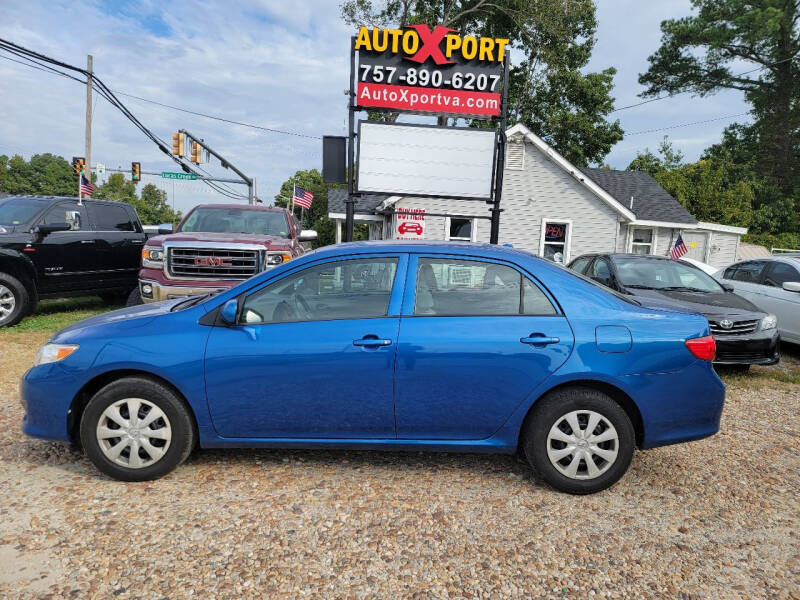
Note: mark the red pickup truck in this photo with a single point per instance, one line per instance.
(215, 247)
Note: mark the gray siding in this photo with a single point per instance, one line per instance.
(723, 249)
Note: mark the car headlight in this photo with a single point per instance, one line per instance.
(152, 257)
(50, 353)
(3, 229)
(769, 322)
(277, 258)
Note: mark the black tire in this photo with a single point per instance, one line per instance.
(114, 297)
(134, 298)
(17, 300)
(549, 412)
(178, 420)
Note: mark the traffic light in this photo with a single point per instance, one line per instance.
(78, 164)
(177, 144)
(136, 172)
(197, 153)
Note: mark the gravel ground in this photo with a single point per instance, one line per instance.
(713, 519)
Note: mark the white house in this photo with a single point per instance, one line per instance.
(554, 209)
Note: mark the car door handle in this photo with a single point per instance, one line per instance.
(87, 241)
(538, 339)
(372, 341)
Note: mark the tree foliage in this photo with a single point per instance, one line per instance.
(705, 52)
(43, 175)
(548, 91)
(151, 206)
(317, 217)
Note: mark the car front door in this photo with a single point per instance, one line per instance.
(782, 303)
(312, 355)
(476, 338)
(66, 260)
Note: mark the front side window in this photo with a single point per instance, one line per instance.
(580, 264)
(450, 287)
(71, 214)
(109, 217)
(642, 241)
(348, 289)
(460, 229)
(779, 273)
(555, 241)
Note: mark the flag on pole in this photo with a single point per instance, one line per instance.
(303, 198)
(87, 187)
(679, 249)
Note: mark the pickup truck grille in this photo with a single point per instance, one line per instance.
(737, 328)
(212, 263)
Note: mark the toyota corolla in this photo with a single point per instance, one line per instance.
(421, 346)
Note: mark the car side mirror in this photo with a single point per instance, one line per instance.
(306, 235)
(727, 287)
(49, 228)
(165, 229)
(229, 311)
(791, 286)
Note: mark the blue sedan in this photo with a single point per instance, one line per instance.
(414, 346)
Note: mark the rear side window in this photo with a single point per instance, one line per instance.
(749, 272)
(108, 217)
(580, 264)
(448, 287)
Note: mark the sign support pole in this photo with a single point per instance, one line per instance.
(494, 234)
(351, 201)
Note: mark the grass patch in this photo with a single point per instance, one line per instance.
(53, 315)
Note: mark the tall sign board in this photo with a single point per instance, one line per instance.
(431, 71)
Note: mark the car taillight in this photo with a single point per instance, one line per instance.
(704, 348)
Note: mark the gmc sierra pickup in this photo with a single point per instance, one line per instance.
(215, 247)
(52, 247)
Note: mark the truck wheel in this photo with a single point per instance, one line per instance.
(14, 300)
(114, 298)
(135, 298)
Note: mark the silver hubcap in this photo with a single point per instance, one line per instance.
(582, 444)
(134, 433)
(7, 302)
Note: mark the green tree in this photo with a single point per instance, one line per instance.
(151, 207)
(703, 53)
(43, 175)
(549, 91)
(317, 217)
(646, 161)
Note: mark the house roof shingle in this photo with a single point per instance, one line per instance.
(651, 202)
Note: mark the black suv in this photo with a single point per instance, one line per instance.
(744, 334)
(52, 247)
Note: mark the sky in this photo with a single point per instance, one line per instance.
(278, 64)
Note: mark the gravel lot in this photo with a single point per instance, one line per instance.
(713, 519)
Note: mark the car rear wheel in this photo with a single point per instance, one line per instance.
(579, 440)
(14, 300)
(136, 429)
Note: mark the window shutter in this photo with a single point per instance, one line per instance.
(515, 156)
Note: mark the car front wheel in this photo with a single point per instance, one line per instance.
(136, 429)
(14, 300)
(579, 440)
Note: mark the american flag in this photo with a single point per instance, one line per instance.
(679, 249)
(87, 187)
(303, 197)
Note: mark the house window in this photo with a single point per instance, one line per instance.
(554, 244)
(642, 241)
(460, 229)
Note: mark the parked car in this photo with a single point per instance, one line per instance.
(773, 285)
(53, 247)
(383, 345)
(217, 246)
(745, 334)
(704, 267)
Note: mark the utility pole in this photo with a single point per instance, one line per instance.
(88, 149)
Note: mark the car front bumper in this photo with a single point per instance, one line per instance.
(153, 291)
(759, 348)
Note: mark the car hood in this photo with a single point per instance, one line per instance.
(229, 238)
(711, 304)
(127, 318)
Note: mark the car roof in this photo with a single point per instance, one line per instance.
(54, 199)
(263, 207)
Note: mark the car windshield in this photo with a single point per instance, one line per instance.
(660, 274)
(18, 211)
(236, 220)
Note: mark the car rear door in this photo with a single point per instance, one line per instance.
(311, 358)
(783, 303)
(476, 338)
(119, 242)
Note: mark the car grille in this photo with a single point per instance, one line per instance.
(212, 263)
(745, 356)
(737, 328)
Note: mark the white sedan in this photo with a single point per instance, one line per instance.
(773, 285)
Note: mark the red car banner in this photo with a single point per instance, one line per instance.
(419, 99)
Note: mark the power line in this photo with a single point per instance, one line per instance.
(657, 98)
(688, 124)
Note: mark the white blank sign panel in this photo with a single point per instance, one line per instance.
(430, 161)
